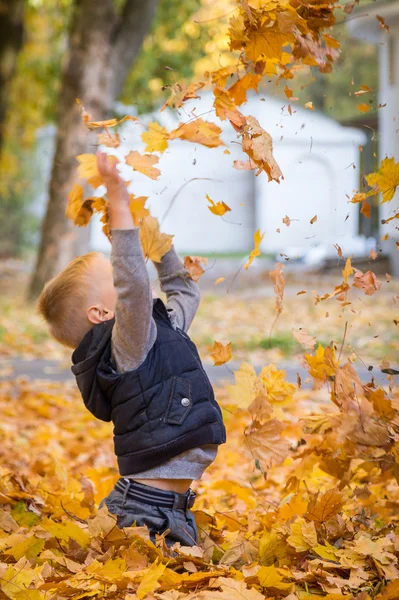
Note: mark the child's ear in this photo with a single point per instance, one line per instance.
(97, 314)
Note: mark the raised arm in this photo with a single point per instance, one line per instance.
(182, 293)
(134, 332)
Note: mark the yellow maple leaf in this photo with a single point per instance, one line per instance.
(88, 170)
(137, 208)
(303, 535)
(200, 132)
(221, 353)
(143, 163)
(279, 391)
(323, 363)
(327, 551)
(156, 138)
(149, 583)
(269, 577)
(75, 201)
(217, 208)
(256, 251)
(386, 179)
(246, 386)
(154, 243)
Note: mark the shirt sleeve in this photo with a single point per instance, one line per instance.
(135, 331)
(182, 293)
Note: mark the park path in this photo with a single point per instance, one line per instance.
(53, 370)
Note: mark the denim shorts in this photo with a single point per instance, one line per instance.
(180, 523)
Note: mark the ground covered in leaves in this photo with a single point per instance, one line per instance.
(302, 502)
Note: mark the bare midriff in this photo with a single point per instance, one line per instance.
(171, 485)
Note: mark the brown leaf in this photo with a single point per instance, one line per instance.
(258, 144)
(194, 267)
(306, 340)
(322, 507)
(267, 445)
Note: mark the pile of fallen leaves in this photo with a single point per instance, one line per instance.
(302, 502)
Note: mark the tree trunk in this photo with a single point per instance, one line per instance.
(11, 38)
(103, 46)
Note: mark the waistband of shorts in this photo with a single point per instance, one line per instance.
(154, 496)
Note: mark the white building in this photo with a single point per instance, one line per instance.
(366, 26)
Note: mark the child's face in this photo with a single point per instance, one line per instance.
(103, 294)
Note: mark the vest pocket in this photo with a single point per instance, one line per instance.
(180, 402)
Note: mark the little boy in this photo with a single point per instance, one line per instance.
(135, 365)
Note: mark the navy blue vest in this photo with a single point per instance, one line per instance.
(161, 409)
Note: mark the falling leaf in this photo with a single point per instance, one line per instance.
(363, 107)
(88, 169)
(309, 105)
(144, 163)
(348, 270)
(306, 340)
(218, 208)
(367, 282)
(181, 93)
(220, 353)
(199, 132)
(194, 266)
(154, 243)
(156, 138)
(219, 280)
(358, 197)
(266, 444)
(382, 23)
(111, 140)
(138, 209)
(313, 220)
(277, 277)
(287, 221)
(322, 364)
(256, 251)
(366, 209)
(258, 144)
(386, 179)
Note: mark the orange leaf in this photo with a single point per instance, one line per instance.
(220, 353)
(194, 267)
(199, 132)
(143, 163)
(218, 208)
(363, 107)
(154, 243)
(367, 282)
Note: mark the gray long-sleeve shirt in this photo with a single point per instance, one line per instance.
(135, 331)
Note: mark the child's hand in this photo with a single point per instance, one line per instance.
(116, 187)
(118, 197)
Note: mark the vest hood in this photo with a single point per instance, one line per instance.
(93, 349)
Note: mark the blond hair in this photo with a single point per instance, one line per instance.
(63, 300)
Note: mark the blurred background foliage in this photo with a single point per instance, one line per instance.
(187, 38)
